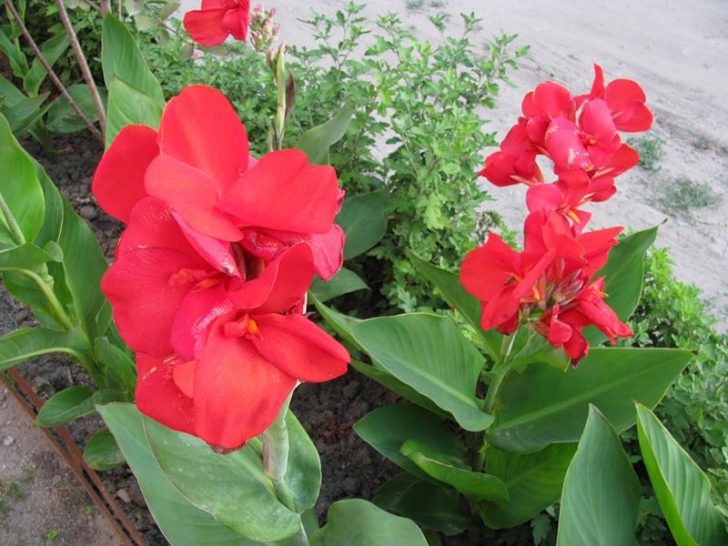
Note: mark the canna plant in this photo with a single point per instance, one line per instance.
(198, 334)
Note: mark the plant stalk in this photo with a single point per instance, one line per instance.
(81, 58)
(500, 370)
(275, 466)
(51, 73)
(15, 232)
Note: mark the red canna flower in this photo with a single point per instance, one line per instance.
(626, 101)
(218, 19)
(240, 355)
(548, 286)
(199, 164)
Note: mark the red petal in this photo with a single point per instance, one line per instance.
(118, 182)
(236, 22)
(596, 120)
(500, 169)
(565, 146)
(544, 197)
(553, 100)
(486, 269)
(192, 193)
(300, 348)
(151, 225)
(198, 310)
(282, 284)
(159, 397)
(328, 251)
(145, 297)
(200, 127)
(284, 192)
(206, 26)
(217, 253)
(238, 393)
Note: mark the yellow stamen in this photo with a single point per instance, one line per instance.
(253, 327)
(571, 214)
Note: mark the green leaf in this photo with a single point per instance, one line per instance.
(534, 482)
(344, 282)
(364, 221)
(393, 384)
(316, 141)
(601, 496)
(428, 504)
(63, 119)
(135, 96)
(386, 429)
(476, 485)
(235, 490)
(341, 324)
(25, 112)
(452, 290)
(19, 189)
(128, 106)
(681, 487)
(181, 523)
(102, 452)
(72, 403)
(65, 406)
(27, 343)
(24, 257)
(544, 405)
(428, 353)
(624, 275)
(356, 522)
(18, 60)
(52, 50)
(117, 366)
(303, 475)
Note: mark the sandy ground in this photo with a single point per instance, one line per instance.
(41, 501)
(677, 50)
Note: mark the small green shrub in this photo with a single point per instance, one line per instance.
(682, 195)
(651, 151)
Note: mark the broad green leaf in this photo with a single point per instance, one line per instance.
(624, 275)
(601, 496)
(235, 490)
(534, 482)
(52, 50)
(476, 485)
(430, 505)
(18, 60)
(303, 475)
(24, 257)
(344, 282)
(65, 406)
(452, 290)
(681, 487)
(430, 354)
(127, 106)
(181, 523)
(72, 403)
(84, 265)
(364, 221)
(26, 112)
(544, 405)
(9, 94)
(316, 141)
(102, 452)
(356, 522)
(117, 366)
(63, 119)
(386, 429)
(26, 343)
(135, 96)
(393, 384)
(20, 189)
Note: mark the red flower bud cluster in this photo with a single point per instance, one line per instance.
(550, 285)
(210, 274)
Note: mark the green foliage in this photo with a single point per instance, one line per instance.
(672, 314)
(650, 148)
(682, 195)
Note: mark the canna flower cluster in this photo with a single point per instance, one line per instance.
(211, 272)
(551, 286)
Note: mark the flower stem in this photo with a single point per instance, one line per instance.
(500, 370)
(275, 466)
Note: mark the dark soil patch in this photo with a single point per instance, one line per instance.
(350, 467)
